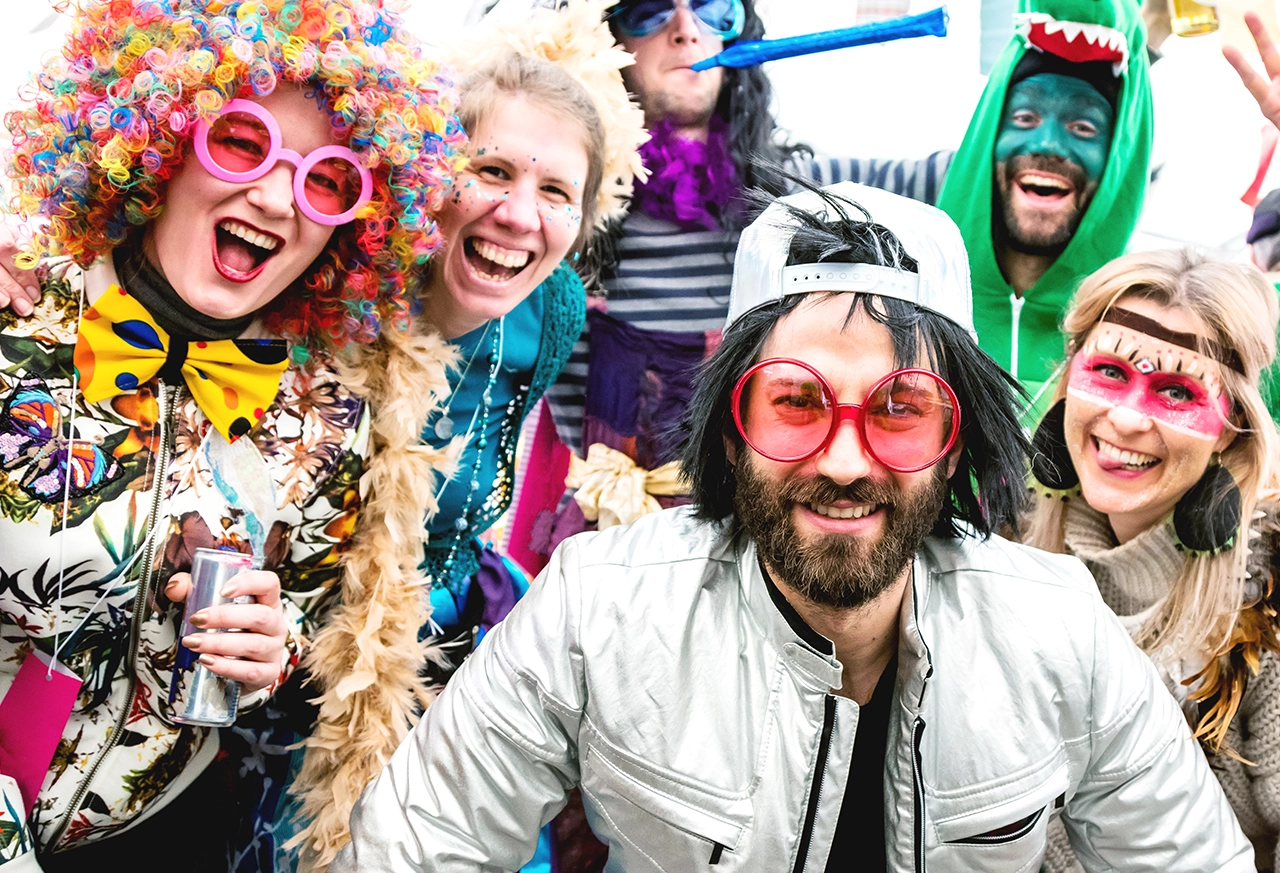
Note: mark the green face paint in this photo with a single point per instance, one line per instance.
(1050, 153)
(1050, 114)
(1027, 340)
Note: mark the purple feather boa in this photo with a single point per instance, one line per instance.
(691, 184)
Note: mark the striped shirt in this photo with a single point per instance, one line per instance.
(676, 280)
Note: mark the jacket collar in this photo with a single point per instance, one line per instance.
(807, 651)
(816, 641)
(812, 653)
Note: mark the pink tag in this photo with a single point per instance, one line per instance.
(33, 715)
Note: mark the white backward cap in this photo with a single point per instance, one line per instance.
(927, 234)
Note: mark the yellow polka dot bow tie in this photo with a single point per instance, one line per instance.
(120, 346)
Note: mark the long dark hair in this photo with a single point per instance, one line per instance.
(987, 490)
(753, 133)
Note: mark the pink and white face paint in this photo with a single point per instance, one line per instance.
(1146, 410)
(1177, 387)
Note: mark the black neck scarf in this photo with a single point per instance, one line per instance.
(179, 319)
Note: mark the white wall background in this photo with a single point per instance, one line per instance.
(908, 99)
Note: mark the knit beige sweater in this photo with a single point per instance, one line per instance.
(1132, 579)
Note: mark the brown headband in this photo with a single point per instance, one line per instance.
(1151, 327)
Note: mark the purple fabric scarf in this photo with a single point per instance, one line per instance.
(691, 184)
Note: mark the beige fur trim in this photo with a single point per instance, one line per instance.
(366, 659)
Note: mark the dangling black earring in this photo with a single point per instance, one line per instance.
(1051, 469)
(1207, 517)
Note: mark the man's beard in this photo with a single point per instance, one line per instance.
(684, 109)
(1042, 240)
(838, 570)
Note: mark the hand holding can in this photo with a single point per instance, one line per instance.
(225, 592)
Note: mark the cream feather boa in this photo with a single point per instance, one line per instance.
(366, 660)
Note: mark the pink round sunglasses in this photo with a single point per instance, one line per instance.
(787, 411)
(244, 143)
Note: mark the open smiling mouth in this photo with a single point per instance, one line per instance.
(493, 263)
(240, 251)
(860, 510)
(1114, 457)
(1044, 187)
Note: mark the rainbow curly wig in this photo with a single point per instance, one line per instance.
(107, 123)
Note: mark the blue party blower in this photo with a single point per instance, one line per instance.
(749, 54)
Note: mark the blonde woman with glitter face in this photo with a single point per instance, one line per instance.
(501, 307)
(553, 139)
(1157, 468)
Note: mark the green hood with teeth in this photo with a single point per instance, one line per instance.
(1106, 226)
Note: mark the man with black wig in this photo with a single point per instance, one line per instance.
(661, 275)
(830, 660)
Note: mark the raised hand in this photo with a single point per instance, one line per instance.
(1265, 89)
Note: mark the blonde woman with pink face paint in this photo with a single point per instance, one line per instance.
(1157, 468)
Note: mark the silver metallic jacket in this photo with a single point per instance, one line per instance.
(650, 665)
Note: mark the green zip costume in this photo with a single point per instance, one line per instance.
(1023, 333)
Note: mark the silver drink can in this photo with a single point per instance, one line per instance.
(198, 695)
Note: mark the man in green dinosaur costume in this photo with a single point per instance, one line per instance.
(1048, 183)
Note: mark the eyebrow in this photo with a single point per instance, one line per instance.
(1189, 341)
(1171, 362)
(792, 381)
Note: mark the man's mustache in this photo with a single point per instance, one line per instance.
(1055, 164)
(820, 489)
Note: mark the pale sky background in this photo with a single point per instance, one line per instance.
(910, 98)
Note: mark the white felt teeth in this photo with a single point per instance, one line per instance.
(1094, 34)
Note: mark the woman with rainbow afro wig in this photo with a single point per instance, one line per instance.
(228, 196)
(111, 118)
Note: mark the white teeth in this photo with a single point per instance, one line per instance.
(843, 511)
(1070, 29)
(1043, 181)
(1133, 459)
(249, 235)
(504, 257)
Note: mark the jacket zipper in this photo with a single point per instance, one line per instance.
(167, 395)
(917, 730)
(1015, 303)
(828, 724)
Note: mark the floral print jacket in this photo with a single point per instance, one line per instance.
(141, 463)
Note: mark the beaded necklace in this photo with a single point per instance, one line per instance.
(443, 428)
(559, 330)
(462, 522)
